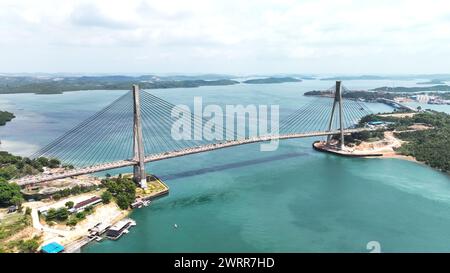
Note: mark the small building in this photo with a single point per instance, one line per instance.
(98, 229)
(375, 123)
(86, 203)
(118, 229)
(53, 247)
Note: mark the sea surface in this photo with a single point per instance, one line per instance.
(243, 200)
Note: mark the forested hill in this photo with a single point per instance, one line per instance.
(56, 85)
(272, 80)
(429, 146)
(441, 87)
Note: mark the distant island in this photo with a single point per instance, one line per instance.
(272, 80)
(432, 77)
(370, 96)
(429, 95)
(58, 85)
(434, 81)
(413, 89)
(5, 117)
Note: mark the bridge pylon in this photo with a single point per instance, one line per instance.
(338, 101)
(138, 146)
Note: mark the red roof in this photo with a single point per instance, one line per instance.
(86, 202)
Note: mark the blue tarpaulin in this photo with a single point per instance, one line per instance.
(52, 248)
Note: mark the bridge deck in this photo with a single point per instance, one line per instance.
(28, 180)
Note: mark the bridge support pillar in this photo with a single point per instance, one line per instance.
(338, 101)
(138, 146)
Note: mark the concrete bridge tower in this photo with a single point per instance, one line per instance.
(138, 147)
(337, 100)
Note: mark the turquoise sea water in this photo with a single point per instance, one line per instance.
(240, 199)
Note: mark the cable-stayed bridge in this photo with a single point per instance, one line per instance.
(137, 128)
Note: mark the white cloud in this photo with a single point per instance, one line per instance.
(224, 36)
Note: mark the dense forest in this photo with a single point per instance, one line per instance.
(5, 117)
(12, 166)
(429, 146)
(122, 189)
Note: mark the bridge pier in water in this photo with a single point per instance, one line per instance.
(138, 147)
(338, 101)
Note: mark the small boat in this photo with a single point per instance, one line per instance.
(99, 239)
(175, 226)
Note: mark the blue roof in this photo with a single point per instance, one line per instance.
(52, 248)
(376, 122)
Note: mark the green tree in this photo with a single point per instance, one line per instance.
(9, 194)
(29, 246)
(80, 215)
(43, 161)
(51, 215)
(54, 163)
(8, 172)
(89, 209)
(69, 204)
(123, 189)
(28, 170)
(122, 201)
(62, 214)
(20, 165)
(37, 165)
(56, 196)
(106, 197)
(72, 222)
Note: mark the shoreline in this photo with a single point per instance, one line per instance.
(77, 244)
(370, 154)
(75, 238)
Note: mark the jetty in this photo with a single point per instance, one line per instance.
(121, 227)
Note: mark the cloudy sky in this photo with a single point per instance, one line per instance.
(227, 36)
